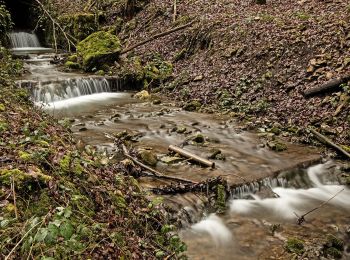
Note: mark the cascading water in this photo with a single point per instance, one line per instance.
(57, 91)
(24, 40)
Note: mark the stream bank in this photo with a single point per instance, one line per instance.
(252, 171)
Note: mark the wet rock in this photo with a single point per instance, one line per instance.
(181, 130)
(171, 159)
(117, 115)
(333, 247)
(156, 102)
(83, 129)
(192, 105)
(80, 124)
(277, 146)
(143, 95)
(294, 245)
(198, 78)
(217, 155)
(198, 138)
(124, 135)
(148, 157)
(97, 47)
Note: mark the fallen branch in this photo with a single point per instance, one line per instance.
(327, 141)
(301, 219)
(153, 171)
(331, 85)
(156, 36)
(57, 24)
(184, 188)
(191, 156)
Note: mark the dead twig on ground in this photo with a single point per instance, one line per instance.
(156, 36)
(327, 141)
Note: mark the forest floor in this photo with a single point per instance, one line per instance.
(255, 61)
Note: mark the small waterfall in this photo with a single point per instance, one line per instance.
(253, 187)
(24, 40)
(49, 92)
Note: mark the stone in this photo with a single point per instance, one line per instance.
(142, 95)
(192, 105)
(148, 157)
(98, 49)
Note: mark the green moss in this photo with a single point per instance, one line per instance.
(148, 157)
(294, 245)
(333, 253)
(5, 22)
(221, 197)
(65, 162)
(2, 108)
(72, 65)
(98, 48)
(3, 126)
(192, 105)
(25, 156)
(20, 177)
(333, 241)
(73, 58)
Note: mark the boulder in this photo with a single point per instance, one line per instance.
(97, 49)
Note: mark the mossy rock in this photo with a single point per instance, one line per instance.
(21, 177)
(97, 49)
(72, 65)
(148, 157)
(73, 58)
(143, 95)
(192, 105)
(294, 245)
(221, 198)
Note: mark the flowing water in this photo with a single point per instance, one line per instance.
(24, 43)
(267, 188)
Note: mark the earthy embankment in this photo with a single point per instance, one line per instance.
(255, 60)
(59, 200)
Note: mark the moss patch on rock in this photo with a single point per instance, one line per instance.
(97, 49)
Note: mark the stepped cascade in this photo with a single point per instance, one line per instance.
(70, 88)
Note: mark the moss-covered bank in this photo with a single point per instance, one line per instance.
(59, 201)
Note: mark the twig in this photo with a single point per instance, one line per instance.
(14, 195)
(23, 237)
(57, 24)
(156, 36)
(324, 139)
(301, 219)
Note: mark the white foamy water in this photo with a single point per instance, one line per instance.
(70, 88)
(82, 103)
(23, 40)
(215, 227)
(294, 200)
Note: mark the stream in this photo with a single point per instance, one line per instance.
(268, 189)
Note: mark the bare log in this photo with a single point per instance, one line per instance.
(329, 86)
(156, 36)
(191, 156)
(327, 141)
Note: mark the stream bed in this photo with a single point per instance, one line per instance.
(268, 189)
